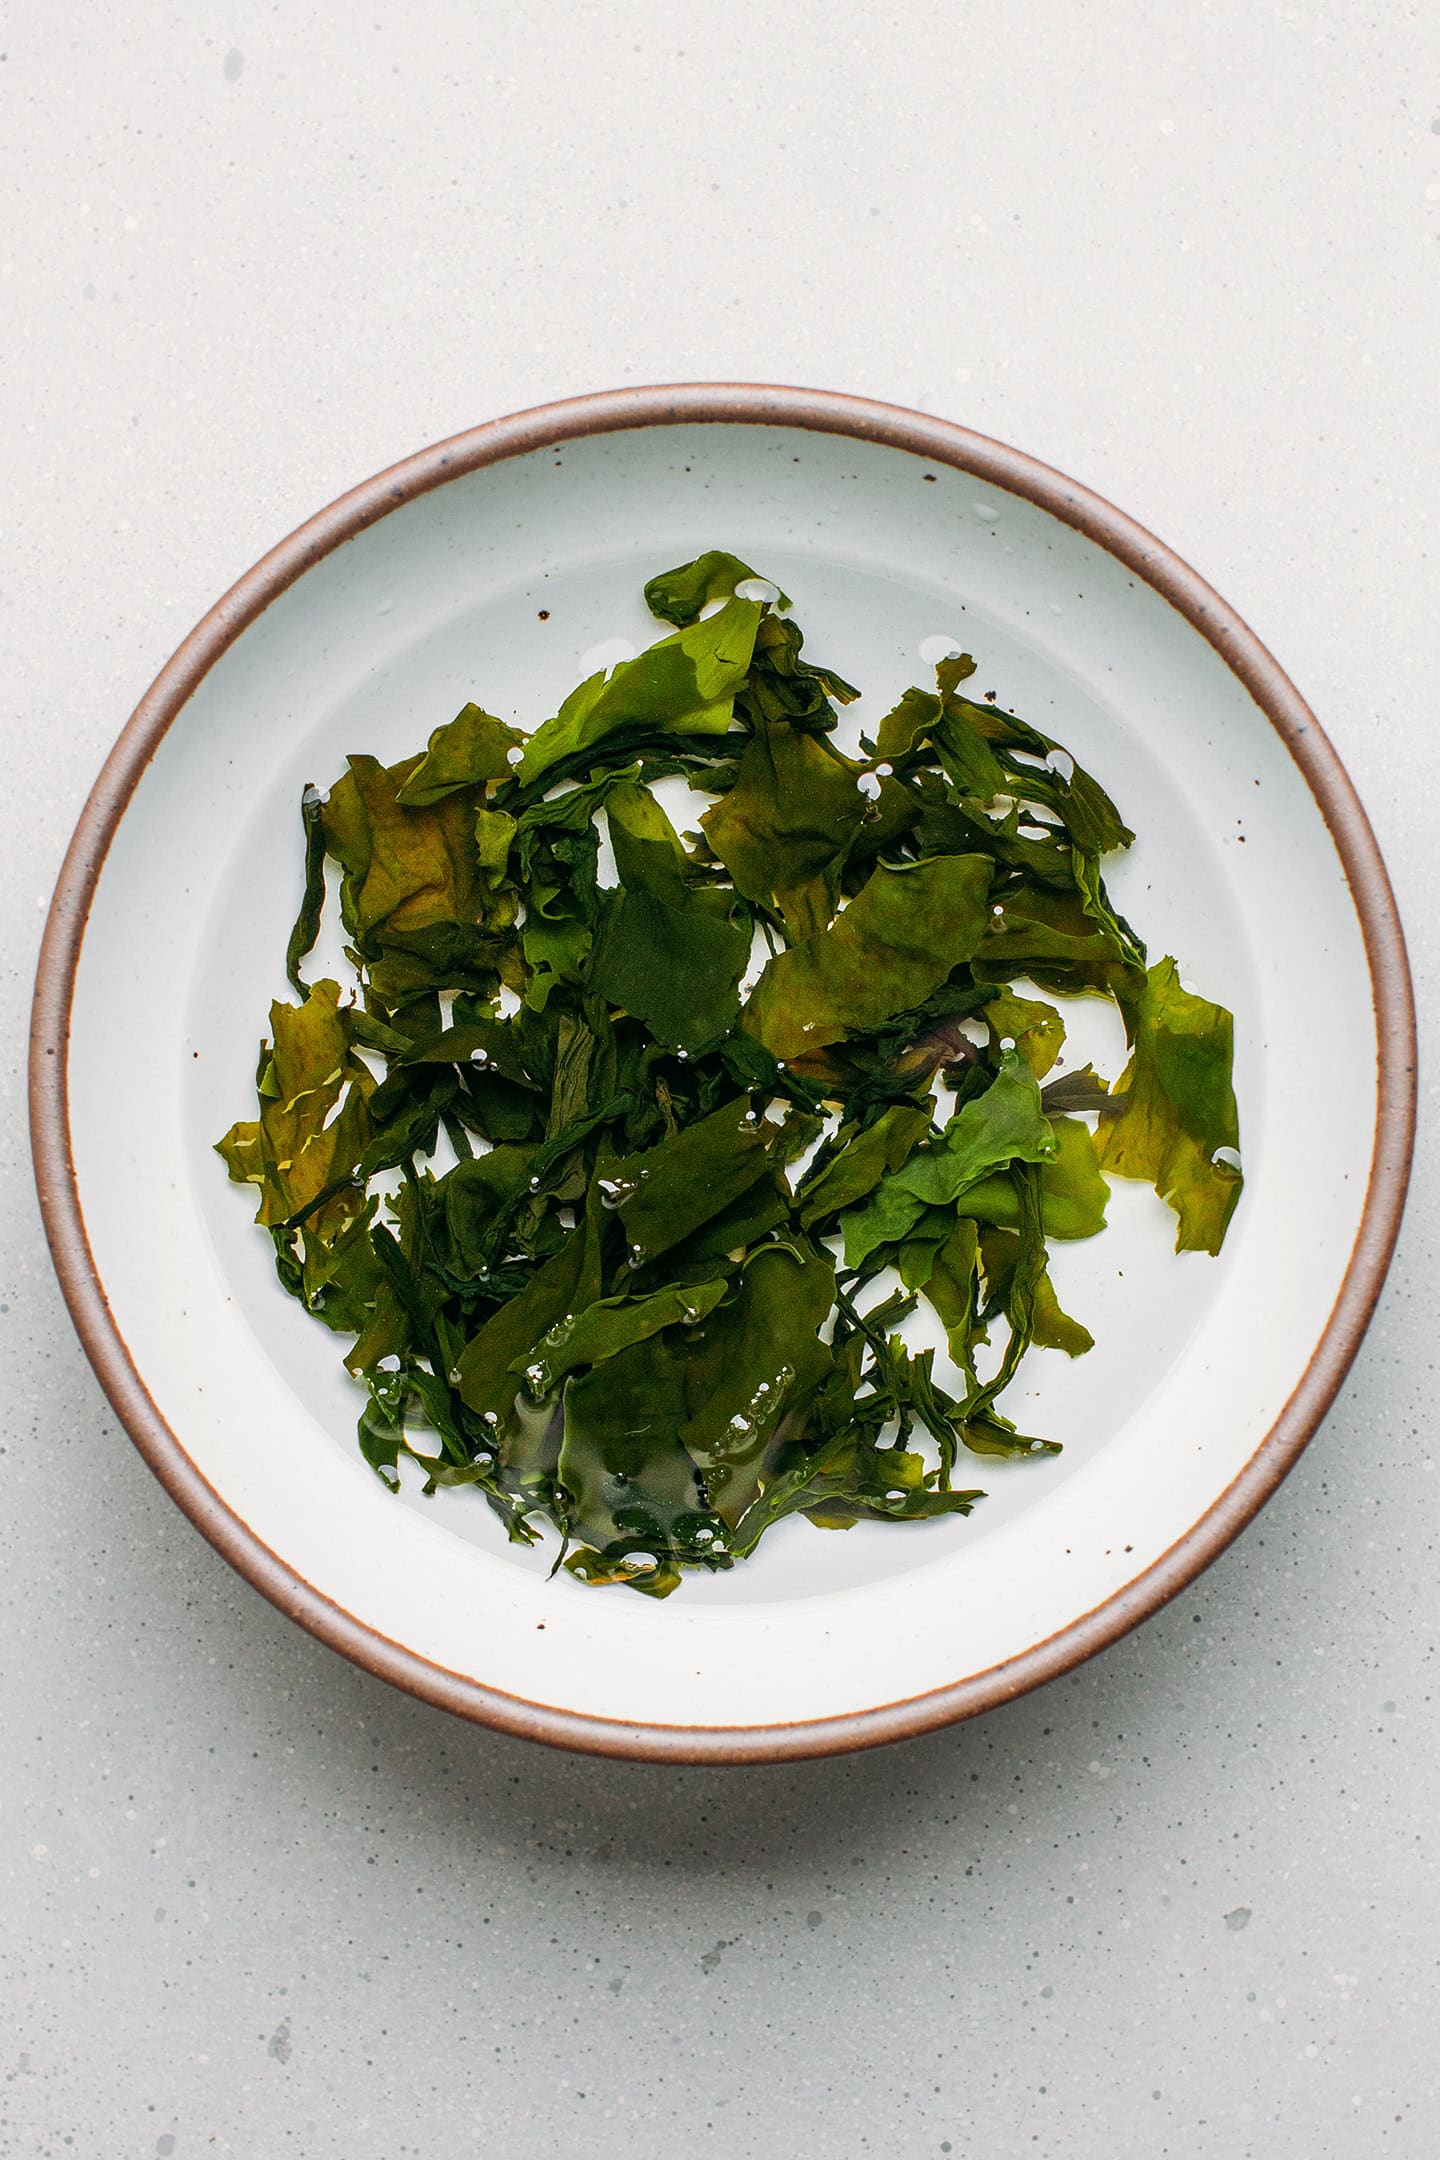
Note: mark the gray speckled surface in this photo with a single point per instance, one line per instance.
(1182, 1902)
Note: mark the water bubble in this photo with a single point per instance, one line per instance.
(479, 1057)
(869, 786)
(513, 757)
(895, 1495)
(1229, 1156)
(884, 771)
(1061, 762)
(534, 1184)
(491, 1418)
(535, 1374)
(683, 1056)
(757, 588)
(609, 653)
(997, 909)
(740, 1424)
(1007, 1042)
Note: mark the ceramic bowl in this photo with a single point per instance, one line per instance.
(502, 565)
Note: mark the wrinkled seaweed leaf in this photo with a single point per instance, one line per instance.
(1004, 1125)
(677, 596)
(902, 934)
(684, 685)
(667, 951)
(1179, 1108)
(1073, 1192)
(468, 751)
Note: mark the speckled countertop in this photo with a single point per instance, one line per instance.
(255, 1904)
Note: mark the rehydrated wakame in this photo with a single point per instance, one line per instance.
(692, 1115)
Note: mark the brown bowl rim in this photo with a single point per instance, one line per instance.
(939, 442)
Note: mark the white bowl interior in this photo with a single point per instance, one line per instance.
(1234, 872)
